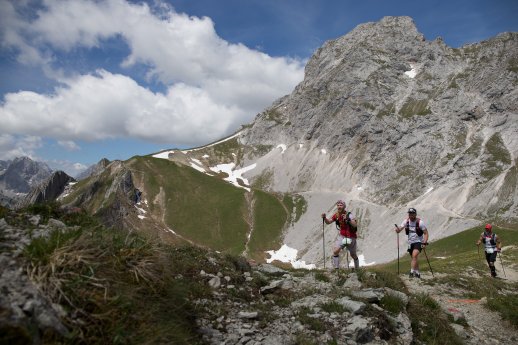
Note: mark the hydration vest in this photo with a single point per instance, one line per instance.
(489, 240)
(418, 229)
(339, 221)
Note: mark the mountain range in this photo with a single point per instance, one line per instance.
(383, 119)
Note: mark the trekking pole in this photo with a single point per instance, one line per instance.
(397, 238)
(424, 250)
(324, 242)
(502, 263)
(347, 256)
(478, 249)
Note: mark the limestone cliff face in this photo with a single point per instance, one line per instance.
(386, 119)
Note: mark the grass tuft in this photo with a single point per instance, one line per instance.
(429, 324)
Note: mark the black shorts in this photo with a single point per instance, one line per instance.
(491, 257)
(413, 246)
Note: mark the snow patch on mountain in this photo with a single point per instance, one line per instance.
(288, 255)
(412, 73)
(218, 142)
(163, 155)
(282, 147)
(141, 210)
(197, 167)
(234, 175)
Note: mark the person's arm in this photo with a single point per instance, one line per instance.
(401, 227)
(425, 234)
(498, 243)
(352, 221)
(480, 239)
(324, 217)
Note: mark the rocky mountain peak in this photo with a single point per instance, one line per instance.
(22, 174)
(389, 119)
(390, 37)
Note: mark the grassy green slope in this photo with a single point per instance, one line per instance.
(208, 210)
(269, 219)
(204, 209)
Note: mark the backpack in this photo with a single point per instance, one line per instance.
(347, 218)
(418, 229)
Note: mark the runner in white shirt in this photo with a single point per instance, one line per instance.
(417, 233)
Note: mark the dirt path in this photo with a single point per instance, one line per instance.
(484, 326)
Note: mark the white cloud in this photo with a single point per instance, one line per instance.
(12, 31)
(106, 105)
(15, 146)
(212, 86)
(71, 168)
(68, 145)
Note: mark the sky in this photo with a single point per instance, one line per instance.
(83, 80)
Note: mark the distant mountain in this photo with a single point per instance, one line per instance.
(93, 169)
(3, 166)
(18, 176)
(22, 173)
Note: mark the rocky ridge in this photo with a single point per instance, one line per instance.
(242, 302)
(49, 190)
(94, 170)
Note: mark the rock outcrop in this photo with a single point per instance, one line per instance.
(27, 315)
(109, 194)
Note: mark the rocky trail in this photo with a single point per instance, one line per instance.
(474, 322)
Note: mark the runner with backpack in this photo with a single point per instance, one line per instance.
(347, 225)
(492, 246)
(417, 233)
